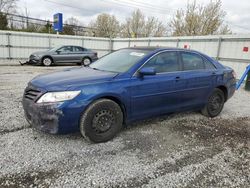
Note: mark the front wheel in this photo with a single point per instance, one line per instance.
(215, 104)
(101, 121)
(47, 61)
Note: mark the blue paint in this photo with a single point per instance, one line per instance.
(140, 96)
(243, 77)
(58, 22)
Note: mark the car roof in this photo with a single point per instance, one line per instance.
(71, 45)
(159, 48)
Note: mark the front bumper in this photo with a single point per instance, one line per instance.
(54, 118)
(34, 60)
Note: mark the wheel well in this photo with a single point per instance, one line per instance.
(122, 106)
(87, 57)
(224, 89)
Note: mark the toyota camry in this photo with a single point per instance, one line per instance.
(124, 86)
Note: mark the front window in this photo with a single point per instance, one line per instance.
(65, 49)
(164, 62)
(119, 61)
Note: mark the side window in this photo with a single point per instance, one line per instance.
(208, 64)
(66, 49)
(192, 61)
(78, 49)
(164, 62)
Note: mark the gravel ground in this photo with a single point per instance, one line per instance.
(180, 150)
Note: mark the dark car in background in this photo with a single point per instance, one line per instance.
(124, 86)
(64, 54)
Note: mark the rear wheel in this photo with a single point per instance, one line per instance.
(215, 104)
(86, 61)
(47, 61)
(101, 121)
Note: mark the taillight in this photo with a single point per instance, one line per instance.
(95, 53)
(234, 74)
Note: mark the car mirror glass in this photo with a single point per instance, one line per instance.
(147, 71)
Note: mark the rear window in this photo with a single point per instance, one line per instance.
(208, 64)
(192, 61)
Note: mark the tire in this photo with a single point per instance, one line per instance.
(47, 61)
(214, 104)
(101, 121)
(86, 61)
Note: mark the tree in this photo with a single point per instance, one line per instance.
(199, 20)
(47, 28)
(154, 28)
(105, 25)
(3, 21)
(138, 25)
(135, 25)
(8, 6)
(71, 26)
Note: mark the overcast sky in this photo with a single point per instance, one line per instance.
(238, 12)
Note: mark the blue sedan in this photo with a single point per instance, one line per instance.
(127, 85)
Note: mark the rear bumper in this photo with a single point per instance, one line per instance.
(94, 59)
(231, 88)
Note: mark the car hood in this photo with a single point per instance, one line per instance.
(41, 52)
(71, 78)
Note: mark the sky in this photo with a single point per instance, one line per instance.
(237, 12)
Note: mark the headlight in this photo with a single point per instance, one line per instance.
(58, 96)
(36, 56)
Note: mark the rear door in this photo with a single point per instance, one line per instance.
(78, 53)
(200, 76)
(160, 93)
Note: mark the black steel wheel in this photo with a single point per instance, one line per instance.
(215, 104)
(101, 121)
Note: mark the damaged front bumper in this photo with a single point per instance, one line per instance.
(53, 118)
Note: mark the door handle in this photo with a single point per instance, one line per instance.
(177, 78)
(213, 73)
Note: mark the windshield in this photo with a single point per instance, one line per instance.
(119, 61)
(55, 48)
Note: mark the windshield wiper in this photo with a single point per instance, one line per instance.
(103, 70)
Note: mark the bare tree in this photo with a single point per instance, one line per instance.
(160, 30)
(71, 26)
(105, 25)
(134, 25)
(8, 6)
(199, 20)
(138, 25)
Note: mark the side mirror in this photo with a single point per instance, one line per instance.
(147, 71)
(58, 51)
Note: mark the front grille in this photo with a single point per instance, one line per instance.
(32, 93)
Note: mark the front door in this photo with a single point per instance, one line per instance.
(160, 93)
(64, 54)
